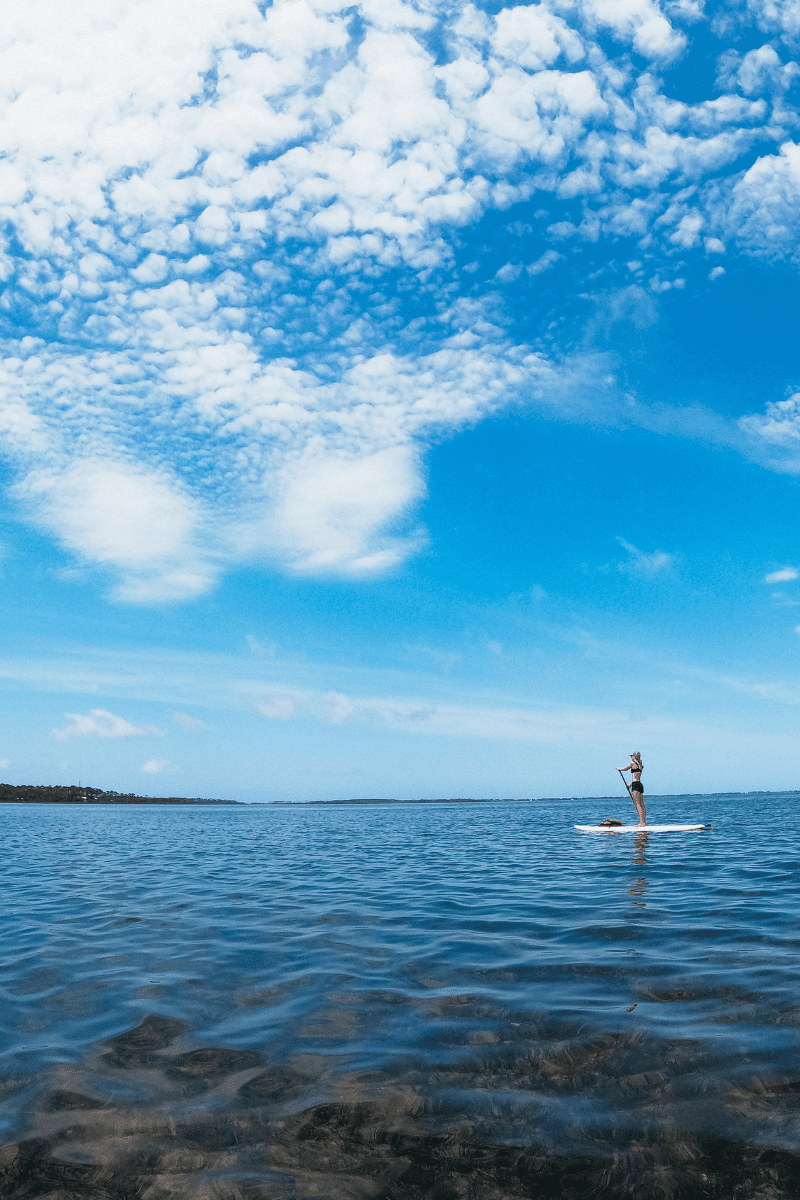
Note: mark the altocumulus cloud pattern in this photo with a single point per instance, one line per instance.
(248, 251)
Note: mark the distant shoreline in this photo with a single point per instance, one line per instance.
(55, 794)
(525, 799)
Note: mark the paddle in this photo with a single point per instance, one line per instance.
(624, 780)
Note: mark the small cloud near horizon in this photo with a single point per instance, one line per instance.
(104, 724)
(186, 722)
(154, 766)
(784, 575)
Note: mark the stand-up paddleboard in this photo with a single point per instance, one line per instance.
(641, 828)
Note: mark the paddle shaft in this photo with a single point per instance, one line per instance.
(624, 780)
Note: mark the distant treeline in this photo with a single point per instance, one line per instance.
(55, 794)
(440, 800)
(532, 799)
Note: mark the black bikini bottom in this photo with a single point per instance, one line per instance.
(637, 787)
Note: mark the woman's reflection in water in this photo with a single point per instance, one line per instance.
(639, 859)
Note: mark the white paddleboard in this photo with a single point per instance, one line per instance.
(640, 828)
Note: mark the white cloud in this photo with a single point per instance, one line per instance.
(543, 263)
(534, 38)
(137, 521)
(261, 647)
(640, 23)
(687, 232)
(152, 270)
(104, 724)
(154, 766)
(332, 510)
(763, 209)
(640, 562)
(774, 435)
(777, 16)
(509, 272)
(194, 724)
(785, 575)
(5, 763)
(279, 707)
(757, 71)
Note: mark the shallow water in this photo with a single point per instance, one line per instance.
(399, 1001)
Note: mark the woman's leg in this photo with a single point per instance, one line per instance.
(638, 800)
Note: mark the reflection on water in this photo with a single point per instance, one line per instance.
(640, 845)
(396, 1004)
(637, 889)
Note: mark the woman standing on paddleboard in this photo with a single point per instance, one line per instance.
(637, 791)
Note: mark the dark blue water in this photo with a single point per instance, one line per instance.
(401, 1001)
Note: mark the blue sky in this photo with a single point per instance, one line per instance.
(400, 399)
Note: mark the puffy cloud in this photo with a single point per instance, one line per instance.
(123, 517)
(784, 575)
(765, 204)
(543, 263)
(687, 231)
(533, 37)
(104, 724)
(639, 23)
(332, 509)
(756, 71)
(773, 437)
(777, 16)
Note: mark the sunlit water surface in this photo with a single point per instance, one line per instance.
(443, 1000)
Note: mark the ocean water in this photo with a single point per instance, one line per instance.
(405, 1001)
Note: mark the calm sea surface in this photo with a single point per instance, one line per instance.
(442, 1000)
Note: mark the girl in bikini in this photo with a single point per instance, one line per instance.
(637, 791)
